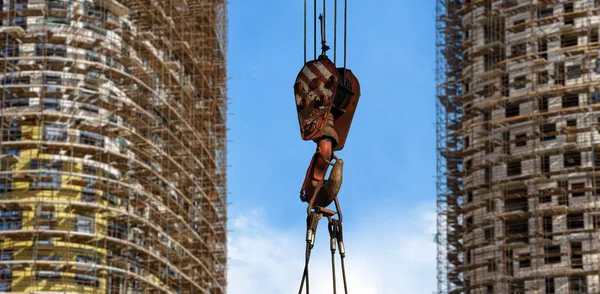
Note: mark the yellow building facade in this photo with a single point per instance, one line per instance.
(113, 147)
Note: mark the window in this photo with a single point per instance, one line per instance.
(6, 254)
(16, 80)
(595, 98)
(571, 122)
(45, 242)
(513, 168)
(92, 56)
(517, 230)
(544, 198)
(488, 175)
(572, 158)
(543, 48)
(7, 51)
(89, 107)
(490, 289)
(491, 265)
(11, 220)
(56, 132)
(509, 262)
(578, 189)
(88, 195)
(563, 199)
(506, 143)
(84, 223)
(12, 133)
(87, 280)
(559, 73)
(52, 80)
(548, 224)
(16, 102)
(569, 21)
(87, 259)
(112, 199)
(519, 49)
(521, 140)
(545, 162)
(90, 170)
(468, 257)
(58, 6)
(573, 72)
(543, 77)
(6, 280)
(468, 165)
(545, 11)
(45, 219)
(593, 36)
(575, 221)
(49, 257)
(568, 7)
(570, 101)
(516, 204)
(576, 256)
(469, 220)
(578, 284)
(568, 41)
(47, 180)
(552, 254)
(519, 26)
(116, 230)
(90, 138)
(51, 104)
(520, 82)
(50, 50)
(47, 275)
(543, 104)
(524, 260)
(548, 132)
(469, 197)
(517, 287)
(549, 286)
(489, 234)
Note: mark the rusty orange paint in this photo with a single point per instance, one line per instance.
(326, 100)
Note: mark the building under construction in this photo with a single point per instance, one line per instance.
(113, 147)
(518, 121)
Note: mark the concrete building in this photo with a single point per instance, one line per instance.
(519, 146)
(113, 146)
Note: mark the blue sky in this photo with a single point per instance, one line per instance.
(389, 189)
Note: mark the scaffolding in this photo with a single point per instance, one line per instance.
(518, 105)
(113, 149)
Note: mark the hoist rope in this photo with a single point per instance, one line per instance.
(315, 29)
(324, 29)
(332, 244)
(335, 14)
(345, 32)
(344, 275)
(312, 222)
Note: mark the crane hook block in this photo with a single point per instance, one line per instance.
(326, 99)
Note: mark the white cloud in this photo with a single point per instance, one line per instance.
(384, 256)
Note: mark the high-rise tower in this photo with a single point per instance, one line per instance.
(113, 147)
(518, 146)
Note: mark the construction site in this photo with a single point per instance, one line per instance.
(518, 121)
(113, 148)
